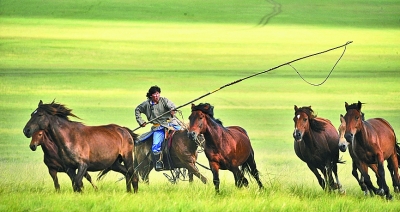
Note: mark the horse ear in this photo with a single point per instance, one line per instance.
(40, 103)
(295, 108)
(359, 105)
(342, 118)
(193, 106)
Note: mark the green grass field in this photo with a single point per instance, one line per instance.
(100, 57)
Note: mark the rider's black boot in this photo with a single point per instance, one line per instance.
(159, 166)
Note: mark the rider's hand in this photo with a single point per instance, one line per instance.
(144, 124)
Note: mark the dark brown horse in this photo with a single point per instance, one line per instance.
(357, 164)
(227, 148)
(373, 141)
(51, 158)
(86, 148)
(182, 154)
(316, 143)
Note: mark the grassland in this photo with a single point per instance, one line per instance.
(100, 57)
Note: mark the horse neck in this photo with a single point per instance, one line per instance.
(57, 130)
(362, 136)
(48, 146)
(213, 132)
(309, 138)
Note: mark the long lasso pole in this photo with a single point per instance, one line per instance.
(253, 75)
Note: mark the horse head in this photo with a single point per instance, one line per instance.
(41, 117)
(302, 118)
(37, 139)
(38, 121)
(198, 120)
(353, 119)
(342, 129)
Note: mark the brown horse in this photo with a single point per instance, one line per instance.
(51, 158)
(316, 143)
(86, 148)
(182, 154)
(357, 164)
(373, 141)
(227, 148)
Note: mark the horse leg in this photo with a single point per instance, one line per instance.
(360, 180)
(89, 178)
(392, 166)
(77, 183)
(130, 176)
(383, 187)
(240, 180)
(215, 171)
(338, 185)
(53, 174)
(319, 178)
(253, 170)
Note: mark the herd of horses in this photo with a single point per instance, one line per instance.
(76, 149)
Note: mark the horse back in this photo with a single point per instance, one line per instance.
(381, 133)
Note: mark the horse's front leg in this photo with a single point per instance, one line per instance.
(319, 178)
(77, 183)
(53, 174)
(215, 171)
(383, 188)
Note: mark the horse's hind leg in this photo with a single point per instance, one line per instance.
(240, 180)
(392, 166)
(89, 178)
(254, 171)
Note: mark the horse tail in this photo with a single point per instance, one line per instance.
(134, 135)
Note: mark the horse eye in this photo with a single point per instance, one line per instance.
(304, 119)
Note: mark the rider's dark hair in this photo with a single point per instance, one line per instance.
(152, 90)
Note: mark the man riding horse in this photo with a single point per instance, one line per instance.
(154, 107)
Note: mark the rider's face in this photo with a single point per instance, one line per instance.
(155, 97)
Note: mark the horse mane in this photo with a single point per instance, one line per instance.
(208, 109)
(316, 125)
(58, 110)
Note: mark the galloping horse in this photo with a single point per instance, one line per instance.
(373, 141)
(86, 148)
(357, 164)
(226, 148)
(316, 143)
(182, 154)
(51, 158)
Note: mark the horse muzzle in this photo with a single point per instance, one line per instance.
(192, 135)
(33, 147)
(349, 137)
(342, 147)
(27, 132)
(297, 135)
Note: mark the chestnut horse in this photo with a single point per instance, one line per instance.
(86, 148)
(316, 143)
(51, 158)
(357, 164)
(227, 148)
(373, 141)
(182, 154)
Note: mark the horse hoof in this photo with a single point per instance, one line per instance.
(389, 197)
(342, 191)
(380, 192)
(396, 189)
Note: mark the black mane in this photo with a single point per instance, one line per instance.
(208, 109)
(57, 109)
(315, 124)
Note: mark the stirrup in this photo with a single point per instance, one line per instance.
(159, 166)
